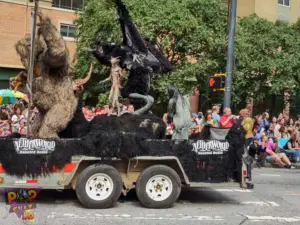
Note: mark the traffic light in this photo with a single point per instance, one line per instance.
(216, 83)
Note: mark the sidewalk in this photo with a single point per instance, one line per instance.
(272, 165)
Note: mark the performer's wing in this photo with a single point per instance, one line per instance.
(131, 36)
(133, 40)
(159, 63)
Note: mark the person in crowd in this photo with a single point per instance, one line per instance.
(226, 120)
(23, 126)
(280, 158)
(4, 125)
(272, 127)
(89, 114)
(165, 118)
(280, 124)
(105, 110)
(265, 122)
(291, 123)
(280, 116)
(83, 111)
(258, 123)
(247, 123)
(283, 132)
(254, 148)
(293, 143)
(130, 108)
(196, 126)
(170, 126)
(98, 111)
(195, 91)
(208, 120)
(256, 134)
(15, 120)
(215, 113)
(94, 111)
(298, 119)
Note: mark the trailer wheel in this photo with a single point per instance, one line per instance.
(158, 186)
(99, 186)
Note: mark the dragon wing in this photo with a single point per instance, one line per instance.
(131, 36)
(139, 45)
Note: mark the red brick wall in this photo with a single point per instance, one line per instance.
(15, 20)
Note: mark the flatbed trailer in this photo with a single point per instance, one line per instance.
(98, 184)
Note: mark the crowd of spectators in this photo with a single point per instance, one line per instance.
(263, 136)
(90, 112)
(13, 118)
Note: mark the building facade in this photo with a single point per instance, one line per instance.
(285, 10)
(15, 23)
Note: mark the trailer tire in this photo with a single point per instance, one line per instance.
(99, 186)
(162, 179)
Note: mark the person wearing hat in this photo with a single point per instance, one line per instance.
(195, 124)
(254, 148)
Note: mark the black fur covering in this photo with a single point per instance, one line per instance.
(123, 137)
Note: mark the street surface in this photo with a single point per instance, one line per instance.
(274, 200)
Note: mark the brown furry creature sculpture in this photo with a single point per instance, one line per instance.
(53, 88)
(16, 82)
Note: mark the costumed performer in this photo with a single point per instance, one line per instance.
(179, 114)
(52, 87)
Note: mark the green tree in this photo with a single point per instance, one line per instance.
(267, 59)
(182, 29)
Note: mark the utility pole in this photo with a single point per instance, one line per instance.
(230, 52)
(31, 63)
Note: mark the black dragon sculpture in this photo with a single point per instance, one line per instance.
(137, 54)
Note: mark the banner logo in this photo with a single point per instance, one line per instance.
(210, 147)
(36, 146)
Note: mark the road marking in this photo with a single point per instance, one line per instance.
(131, 217)
(55, 215)
(270, 175)
(273, 204)
(231, 190)
(281, 219)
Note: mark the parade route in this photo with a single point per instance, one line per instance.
(275, 200)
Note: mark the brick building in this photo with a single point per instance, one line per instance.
(15, 22)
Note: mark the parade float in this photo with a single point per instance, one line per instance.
(113, 154)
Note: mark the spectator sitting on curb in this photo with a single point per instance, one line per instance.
(280, 158)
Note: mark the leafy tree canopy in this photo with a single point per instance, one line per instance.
(192, 34)
(185, 31)
(267, 59)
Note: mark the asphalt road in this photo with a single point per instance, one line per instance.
(275, 200)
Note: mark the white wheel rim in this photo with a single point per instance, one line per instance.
(159, 187)
(99, 186)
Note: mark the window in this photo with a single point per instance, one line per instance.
(284, 2)
(67, 30)
(68, 4)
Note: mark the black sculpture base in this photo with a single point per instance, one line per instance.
(24, 156)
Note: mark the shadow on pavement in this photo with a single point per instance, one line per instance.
(187, 195)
